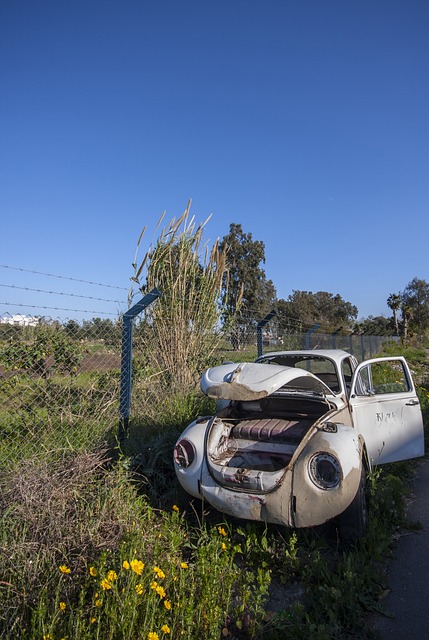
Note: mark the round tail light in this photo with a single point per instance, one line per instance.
(325, 471)
(184, 453)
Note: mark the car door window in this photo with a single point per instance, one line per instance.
(379, 378)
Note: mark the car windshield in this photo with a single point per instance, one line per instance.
(323, 368)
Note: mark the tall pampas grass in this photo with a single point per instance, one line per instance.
(184, 326)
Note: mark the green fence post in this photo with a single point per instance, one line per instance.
(126, 360)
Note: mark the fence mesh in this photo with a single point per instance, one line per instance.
(60, 380)
(59, 383)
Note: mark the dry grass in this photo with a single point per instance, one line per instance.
(70, 524)
(62, 511)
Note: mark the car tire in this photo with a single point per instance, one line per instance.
(353, 521)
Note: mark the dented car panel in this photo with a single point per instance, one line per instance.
(248, 506)
(315, 505)
(252, 381)
(189, 475)
(294, 434)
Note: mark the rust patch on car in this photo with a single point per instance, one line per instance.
(234, 391)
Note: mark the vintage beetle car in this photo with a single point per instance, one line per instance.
(295, 434)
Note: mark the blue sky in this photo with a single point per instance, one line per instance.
(306, 122)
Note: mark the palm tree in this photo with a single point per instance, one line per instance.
(407, 314)
(394, 303)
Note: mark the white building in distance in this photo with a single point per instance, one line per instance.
(20, 320)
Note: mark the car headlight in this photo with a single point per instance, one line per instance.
(184, 453)
(325, 470)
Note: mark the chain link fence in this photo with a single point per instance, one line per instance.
(60, 381)
(249, 339)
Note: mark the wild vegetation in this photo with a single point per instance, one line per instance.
(103, 545)
(97, 541)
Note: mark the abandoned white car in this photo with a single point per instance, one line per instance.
(295, 434)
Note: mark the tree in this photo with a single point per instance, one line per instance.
(415, 298)
(375, 325)
(394, 303)
(407, 314)
(245, 287)
(309, 308)
(102, 329)
(72, 328)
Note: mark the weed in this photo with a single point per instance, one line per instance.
(92, 547)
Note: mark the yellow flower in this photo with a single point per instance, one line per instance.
(160, 591)
(63, 606)
(112, 576)
(93, 620)
(184, 565)
(92, 571)
(98, 603)
(167, 604)
(222, 531)
(165, 628)
(105, 584)
(139, 589)
(175, 508)
(153, 584)
(159, 572)
(47, 637)
(223, 546)
(137, 566)
(126, 565)
(64, 569)
(152, 635)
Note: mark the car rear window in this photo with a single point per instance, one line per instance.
(323, 368)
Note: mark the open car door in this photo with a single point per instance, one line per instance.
(386, 410)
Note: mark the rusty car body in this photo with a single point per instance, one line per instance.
(295, 434)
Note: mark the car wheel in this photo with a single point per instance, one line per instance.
(353, 521)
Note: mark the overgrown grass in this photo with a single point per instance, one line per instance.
(50, 414)
(85, 556)
(76, 533)
(104, 544)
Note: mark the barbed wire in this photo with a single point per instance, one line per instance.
(33, 306)
(52, 275)
(60, 293)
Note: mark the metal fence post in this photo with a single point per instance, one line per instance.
(362, 346)
(126, 360)
(259, 328)
(334, 337)
(308, 334)
(352, 341)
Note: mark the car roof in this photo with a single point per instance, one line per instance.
(333, 354)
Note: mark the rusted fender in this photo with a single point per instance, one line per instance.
(313, 506)
(189, 478)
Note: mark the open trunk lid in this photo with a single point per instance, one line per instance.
(255, 380)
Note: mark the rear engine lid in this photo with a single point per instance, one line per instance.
(255, 380)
